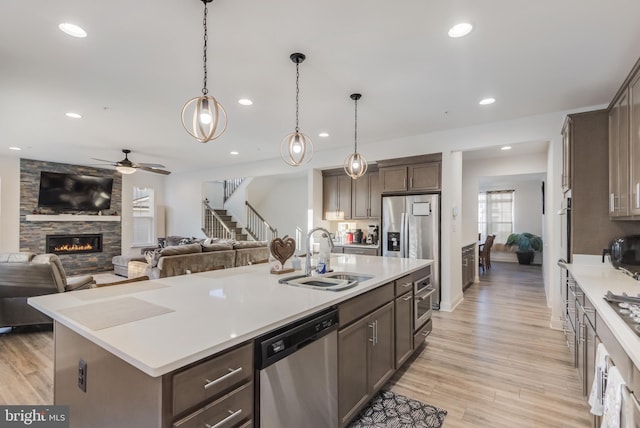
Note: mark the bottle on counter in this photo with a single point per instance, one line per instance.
(325, 252)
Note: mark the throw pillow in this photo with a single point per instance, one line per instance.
(249, 244)
(181, 249)
(217, 246)
(152, 257)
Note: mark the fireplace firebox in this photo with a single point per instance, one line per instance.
(75, 243)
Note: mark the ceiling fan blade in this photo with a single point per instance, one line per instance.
(151, 165)
(156, 170)
(104, 160)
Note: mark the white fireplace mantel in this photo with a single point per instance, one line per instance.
(70, 217)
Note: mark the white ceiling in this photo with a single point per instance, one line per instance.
(143, 59)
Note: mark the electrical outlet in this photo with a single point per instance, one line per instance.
(82, 375)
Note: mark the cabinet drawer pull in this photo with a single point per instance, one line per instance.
(211, 383)
(406, 285)
(425, 333)
(232, 415)
(407, 298)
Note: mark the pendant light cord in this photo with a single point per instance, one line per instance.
(297, 93)
(205, 91)
(355, 148)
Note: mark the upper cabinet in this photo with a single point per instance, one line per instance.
(336, 197)
(365, 197)
(624, 150)
(416, 174)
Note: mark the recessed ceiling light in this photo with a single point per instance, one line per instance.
(72, 30)
(323, 134)
(487, 101)
(505, 148)
(73, 115)
(245, 101)
(15, 148)
(234, 153)
(460, 30)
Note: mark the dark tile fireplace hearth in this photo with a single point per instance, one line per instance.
(75, 243)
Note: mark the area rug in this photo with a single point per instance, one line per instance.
(390, 410)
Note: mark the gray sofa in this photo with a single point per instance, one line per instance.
(194, 258)
(23, 275)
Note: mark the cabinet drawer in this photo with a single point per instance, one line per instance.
(211, 378)
(404, 284)
(337, 249)
(232, 410)
(421, 335)
(360, 306)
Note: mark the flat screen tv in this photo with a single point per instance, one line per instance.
(70, 192)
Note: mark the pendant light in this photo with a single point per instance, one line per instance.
(355, 165)
(296, 148)
(203, 117)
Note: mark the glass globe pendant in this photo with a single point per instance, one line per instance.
(203, 117)
(296, 148)
(355, 165)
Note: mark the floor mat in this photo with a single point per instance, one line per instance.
(390, 410)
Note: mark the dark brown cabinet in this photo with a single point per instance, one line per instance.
(634, 143)
(410, 178)
(619, 157)
(566, 155)
(404, 327)
(468, 265)
(366, 197)
(336, 197)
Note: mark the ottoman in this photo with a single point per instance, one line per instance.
(121, 264)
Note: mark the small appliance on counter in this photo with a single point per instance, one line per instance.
(625, 255)
(357, 237)
(372, 236)
(348, 238)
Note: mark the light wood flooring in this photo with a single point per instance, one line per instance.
(493, 362)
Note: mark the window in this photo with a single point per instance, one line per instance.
(143, 216)
(495, 214)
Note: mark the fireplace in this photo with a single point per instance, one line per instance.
(76, 243)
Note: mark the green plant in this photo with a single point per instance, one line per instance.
(526, 242)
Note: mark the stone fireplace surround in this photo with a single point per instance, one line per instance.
(33, 233)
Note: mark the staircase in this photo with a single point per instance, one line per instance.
(231, 225)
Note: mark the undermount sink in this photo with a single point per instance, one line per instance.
(333, 281)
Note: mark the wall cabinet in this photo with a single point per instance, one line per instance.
(468, 265)
(624, 150)
(336, 197)
(410, 178)
(366, 197)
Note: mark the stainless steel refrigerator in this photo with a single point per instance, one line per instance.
(411, 228)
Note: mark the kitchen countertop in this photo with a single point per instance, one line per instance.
(204, 313)
(595, 281)
(358, 245)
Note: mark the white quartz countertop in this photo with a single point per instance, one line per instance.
(595, 281)
(207, 312)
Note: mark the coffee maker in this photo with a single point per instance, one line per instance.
(372, 235)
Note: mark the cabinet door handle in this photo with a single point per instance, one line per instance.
(372, 326)
(407, 298)
(637, 195)
(375, 332)
(411, 183)
(612, 203)
(404, 182)
(232, 372)
(225, 420)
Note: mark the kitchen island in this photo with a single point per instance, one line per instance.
(123, 353)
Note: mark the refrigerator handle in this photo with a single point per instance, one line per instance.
(405, 238)
(402, 233)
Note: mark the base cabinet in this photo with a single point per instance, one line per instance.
(404, 327)
(365, 360)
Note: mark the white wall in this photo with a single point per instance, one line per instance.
(282, 201)
(214, 191)
(9, 204)
(147, 180)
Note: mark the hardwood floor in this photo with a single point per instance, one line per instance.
(494, 361)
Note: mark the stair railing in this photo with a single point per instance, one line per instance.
(257, 226)
(212, 224)
(230, 186)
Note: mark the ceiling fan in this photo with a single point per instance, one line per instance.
(125, 166)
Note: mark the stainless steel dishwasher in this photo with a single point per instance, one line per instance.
(297, 374)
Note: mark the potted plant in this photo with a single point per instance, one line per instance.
(526, 244)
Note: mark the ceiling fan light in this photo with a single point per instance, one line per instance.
(296, 149)
(125, 169)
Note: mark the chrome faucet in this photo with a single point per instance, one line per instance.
(307, 267)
